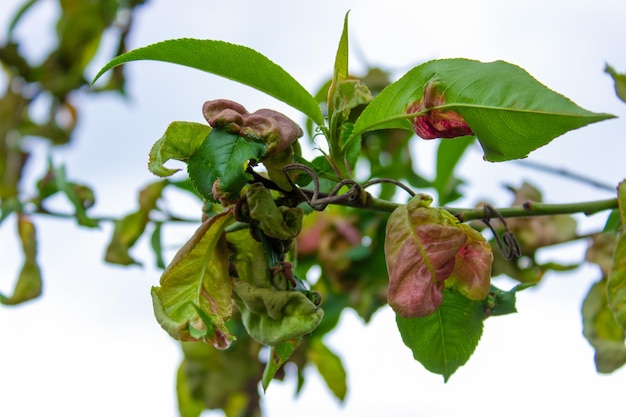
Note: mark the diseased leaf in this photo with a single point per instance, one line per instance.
(235, 62)
(444, 340)
(129, 228)
(274, 316)
(218, 168)
(276, 222)
(602, 331)
(278, 355)
(329, 366)
(509, 111)
(194, 299)
(420, 249)
(179, 142)
(29, 284)
(472, 266)
(616, 285)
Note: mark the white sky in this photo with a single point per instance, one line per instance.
(91, 347)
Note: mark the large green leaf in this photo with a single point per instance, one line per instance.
(509, 111)
(223, 158)
(194, 299)
(235, 62)
(446, 339)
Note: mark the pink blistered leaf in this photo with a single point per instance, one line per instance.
(420, 249)
(436, 123)
(472, 271)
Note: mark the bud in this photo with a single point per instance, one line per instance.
(436, 123)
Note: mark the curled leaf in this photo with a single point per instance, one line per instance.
(472, 267)
(194, 299)
(436, 122)
(272, 316)
(420, 249)
(276, 222)
(179, 142)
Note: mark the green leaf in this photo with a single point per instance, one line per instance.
(509, 111)
(278, 355)
(235, 62)
(340, 71)
(602, 331)
(180, 141)
(445, 340)
(80, 196)
(129, 228)
(500, 302)
(156, 245)
(620, 82)
(329, 366)
(449, 153)
(29, 284)
(188, 406)
(616, 285)
(194, 299)
(223, 158)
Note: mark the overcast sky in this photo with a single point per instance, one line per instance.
(91, 347)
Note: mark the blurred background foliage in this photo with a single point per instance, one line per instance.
(339, 251)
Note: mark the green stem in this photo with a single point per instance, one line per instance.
(532, 208)
(528, 209)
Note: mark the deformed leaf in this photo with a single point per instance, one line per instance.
(509, 111)
(179, 142)
(472, 267)
(444, 340)
(276, 222)
(29, 284)
(329, 366)
(194, 299)
(274, 316)
(235, 62)
(420, 249)
(602, 331)
(129, 228)
(218, 168)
